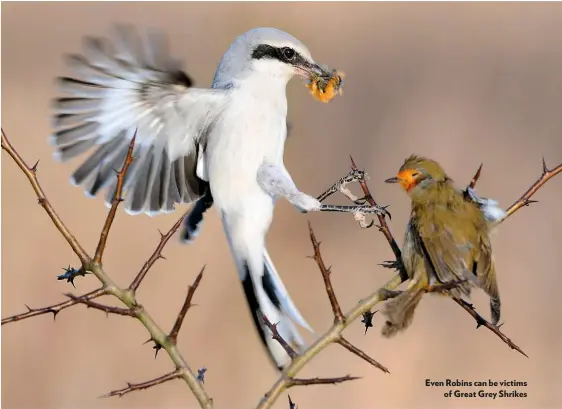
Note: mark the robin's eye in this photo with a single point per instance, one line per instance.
(414, 174)
(288, 53)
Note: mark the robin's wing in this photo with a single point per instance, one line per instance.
(484, 268)
(447, 254)
(131, 86)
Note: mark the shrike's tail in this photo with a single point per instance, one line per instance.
(267, 295)
(264, 290)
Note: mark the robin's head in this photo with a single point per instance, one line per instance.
(418, 173)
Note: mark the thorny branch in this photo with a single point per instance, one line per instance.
(276, 336)
(333, 335)
(126, 296)
(55, 308)
(172, 337)
(322, 381)
(157, 254)
(481, 322)
(524, 200)
(102, 307)
(168, 342)
(338, 315)
(546, 175)
(117, 198)
(131, 387)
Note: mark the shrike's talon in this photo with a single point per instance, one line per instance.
(378, 210)
(340, 185)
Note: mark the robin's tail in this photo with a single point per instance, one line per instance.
(399, 311)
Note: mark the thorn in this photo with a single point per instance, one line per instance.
(353, 165)
(291, 403)
(477, 176)
(544, 167)
(162, 235)
(28, 308)
(34, 167)
(161, 256)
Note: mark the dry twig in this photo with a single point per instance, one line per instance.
(117, 198)
(276, 336)
(333, 335)
(524, 200)
(157, 254)
(338, 315)
(55, 308)
(126, 296)
(546, 175)
(131, 387)
(322, 381)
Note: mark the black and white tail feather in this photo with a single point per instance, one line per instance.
(132, 86)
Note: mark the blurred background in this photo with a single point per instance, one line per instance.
(460, 83)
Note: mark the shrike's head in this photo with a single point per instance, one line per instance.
(266, 52)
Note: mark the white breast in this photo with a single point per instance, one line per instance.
(251, 130)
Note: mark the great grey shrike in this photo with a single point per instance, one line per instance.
(219, 146)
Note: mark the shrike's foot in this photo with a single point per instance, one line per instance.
(340, 186)
(378, 210)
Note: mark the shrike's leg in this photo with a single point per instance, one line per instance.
(277, 182)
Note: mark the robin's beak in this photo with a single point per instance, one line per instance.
(392, 180)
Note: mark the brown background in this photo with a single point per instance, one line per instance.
(462, 83)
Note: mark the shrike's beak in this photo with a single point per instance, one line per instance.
(392, 180)
(311, 70)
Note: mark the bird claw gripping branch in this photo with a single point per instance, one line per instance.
(325, 87)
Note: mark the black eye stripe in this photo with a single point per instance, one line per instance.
(275, 53)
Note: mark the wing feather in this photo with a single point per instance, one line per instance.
(126, 86)
(446, 253)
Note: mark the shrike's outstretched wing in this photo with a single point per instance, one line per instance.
(127, 86)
